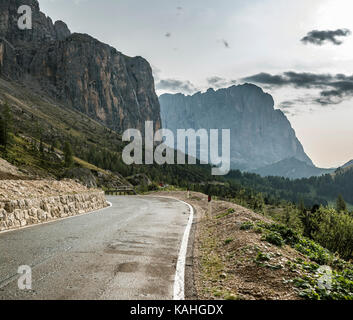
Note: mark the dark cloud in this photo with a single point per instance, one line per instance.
(287, 104)
(289, 112)
(176, 86)
(299, 80)
(340, 90)
(218, 82)
(292, 104)
(334, 88)
(266, 78)
(319, 38)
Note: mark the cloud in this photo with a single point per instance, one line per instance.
(319, 38)
(340, 90)
(299, 80)
(334, 88)
(156, 72)
(176, 86)
(287, 104)
(218, 82)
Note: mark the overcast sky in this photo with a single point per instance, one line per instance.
(299, 51)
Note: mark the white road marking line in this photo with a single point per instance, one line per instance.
(179, 282)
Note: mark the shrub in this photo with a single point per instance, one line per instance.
(274, 238)
(246, 225)
(288, 235)
(334, 231)
(314, 251)
(261, 257)
(225, 214)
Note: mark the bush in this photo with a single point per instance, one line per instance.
(314, 251)
(262, 257)
(225, 214)
(334, 231)
(246, 225)
(288, 235)
(274, 238)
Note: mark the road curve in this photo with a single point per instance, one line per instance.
(128, 251)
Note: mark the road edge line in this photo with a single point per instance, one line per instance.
(179, 280)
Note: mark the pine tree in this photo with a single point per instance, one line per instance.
(68, 154)
(302, 206)
(41, 146)
(5, 125)
(2, 132)
(341, 205)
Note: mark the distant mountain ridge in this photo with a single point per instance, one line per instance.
(348, 164)
(292, 168)
(260, 135)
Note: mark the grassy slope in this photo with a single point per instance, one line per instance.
(243, 255)
(37, 117)
(33, 112)
(34, 117)
(30, 161)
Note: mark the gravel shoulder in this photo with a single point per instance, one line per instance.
(230, 263)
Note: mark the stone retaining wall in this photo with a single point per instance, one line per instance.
(29, 211)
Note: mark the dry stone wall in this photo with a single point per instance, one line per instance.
(24, 203)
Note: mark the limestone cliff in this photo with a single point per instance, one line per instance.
(77, 70)
(260, 135)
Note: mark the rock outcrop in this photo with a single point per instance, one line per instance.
(9, 171)
(260, 135)
(94, 179)
(24, 203)
(77, 70)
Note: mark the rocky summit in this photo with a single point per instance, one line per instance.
(76, 69)
(260, 135)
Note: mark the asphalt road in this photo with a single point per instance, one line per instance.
(128, 251)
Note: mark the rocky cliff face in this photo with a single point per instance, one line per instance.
(77, 70)
(260, 135)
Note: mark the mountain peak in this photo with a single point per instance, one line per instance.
(77, 70)
(260, 135)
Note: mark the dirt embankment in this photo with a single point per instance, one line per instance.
(230, 262)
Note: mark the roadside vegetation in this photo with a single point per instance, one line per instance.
(339, 275)
(241, 254)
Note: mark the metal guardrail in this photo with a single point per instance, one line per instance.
(121, 190)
